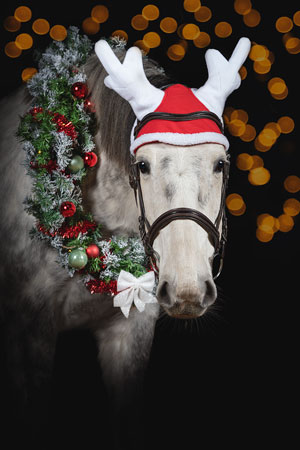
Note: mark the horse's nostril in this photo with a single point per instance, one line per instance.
(163, 294)
(210, 294)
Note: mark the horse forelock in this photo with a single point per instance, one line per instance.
(114, 115)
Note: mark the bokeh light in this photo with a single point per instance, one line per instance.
(242, 7)
(28, 73)
(259, 176)
(292, 45)
(291, 207)
(168, 25)
(24, 41)
(286, 124)
(12, 50)
(41, 26)
(141, 45)
(284, 24)
(121, 34)
(296, 18)
(203, 14)
(23, 14)
(139, 22)
(263, 235)
(244, 161)
(151, 39)
(235, 204)
(252, 18)
(176, 52)
(292, 184)
(100, 13)
(190, 31)
(150, 12)
(223, 29)
(11, 24)
(203, 40)
(286, 223)
(191, 5)
(58, 32)
(89, 26)
(249, 134)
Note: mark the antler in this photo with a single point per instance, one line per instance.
(223, 76)
(129, 79)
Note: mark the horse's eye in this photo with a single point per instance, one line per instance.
(144, 167)
(220, 165)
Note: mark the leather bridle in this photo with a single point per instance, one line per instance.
(149, 232)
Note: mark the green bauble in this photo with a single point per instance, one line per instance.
(76, 164)
(78, 258)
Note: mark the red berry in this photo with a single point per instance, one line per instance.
(93, 251)
(79, 90)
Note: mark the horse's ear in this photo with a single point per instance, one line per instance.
(129, 79)
(223, 76)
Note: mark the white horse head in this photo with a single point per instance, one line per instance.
(179, 170)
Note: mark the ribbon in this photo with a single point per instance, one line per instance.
(134, 290)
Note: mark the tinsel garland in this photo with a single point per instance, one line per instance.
(57, 134)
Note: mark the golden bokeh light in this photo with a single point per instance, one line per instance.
(240, 114)
(284, 24)
(190, 31)
(28, 73)
(141, 45)
(150, 12)
(257, 162)
(252, 18)
(58, 32)
(263, 235)
(223, 29)
(41, 26)
(291, 207)
(238, 212)
(259, 176)
(234, 202)
(12, 50)
(236, 127)
(24, 41)
(203, 14)
(242, 7)
(100, 13)
(23, 14)
(258, 52)
(121, 34)
(203, 40)
(262, 67)
(292, 45)
(243, 72)
(89, 26)
(151, 39)
(249, 134)
(244, 161)
(168, 25)
(286, 223)
(276, 85)
(139, 22)
(296, 18)
(286, 124)
(292, 184)
(191, 5)
(265, 221)
(176, 52)
(10, 23)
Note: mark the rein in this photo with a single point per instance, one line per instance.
(149, 233)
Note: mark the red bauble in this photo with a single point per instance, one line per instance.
(67, 209)
(90, 159)
(93, 251)
(79, 90)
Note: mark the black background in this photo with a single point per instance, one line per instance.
(232, 380)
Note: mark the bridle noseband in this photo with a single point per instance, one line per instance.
(149, 232)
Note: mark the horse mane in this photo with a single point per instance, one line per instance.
(114, 115)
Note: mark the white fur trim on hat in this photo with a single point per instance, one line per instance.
(180, 139)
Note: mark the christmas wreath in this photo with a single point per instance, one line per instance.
(57, 134)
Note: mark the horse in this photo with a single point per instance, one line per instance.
(40, 300)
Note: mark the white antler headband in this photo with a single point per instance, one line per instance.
(130, 82)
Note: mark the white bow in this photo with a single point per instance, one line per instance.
(134, 290)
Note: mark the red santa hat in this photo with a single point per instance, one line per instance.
(129, 81)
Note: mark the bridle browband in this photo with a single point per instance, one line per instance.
(149, 232)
